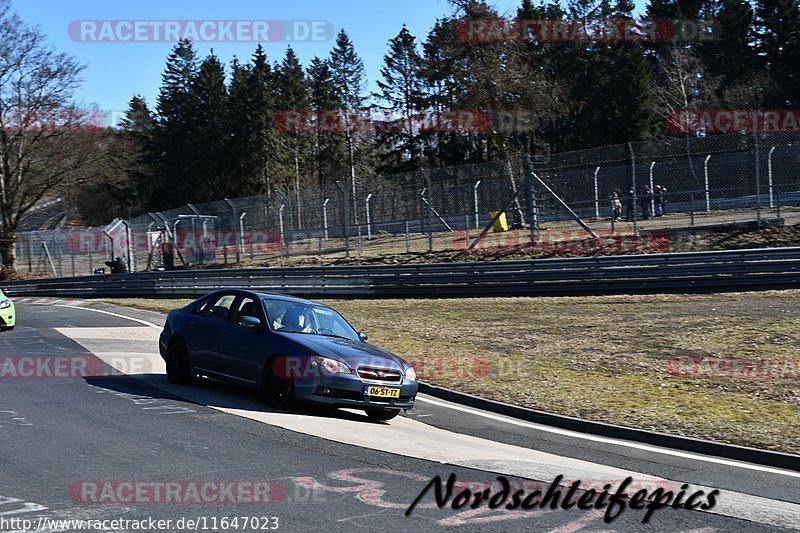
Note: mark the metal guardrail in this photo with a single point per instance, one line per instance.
(734, 269)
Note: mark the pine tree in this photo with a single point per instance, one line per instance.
(209, 136)
(329, 150)
(291, 88)
(778, 44)
(348, 76)
(401, 92)
(172, 141)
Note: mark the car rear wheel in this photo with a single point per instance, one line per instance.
(277, 392)
(179, 370)
(381, 414)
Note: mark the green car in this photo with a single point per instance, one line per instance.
(8, 317)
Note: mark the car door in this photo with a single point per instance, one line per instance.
(245, 346)
(207, 335)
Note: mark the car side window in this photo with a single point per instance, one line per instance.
(246, 307)
(219, 308)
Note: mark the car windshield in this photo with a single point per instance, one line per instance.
(292, 317)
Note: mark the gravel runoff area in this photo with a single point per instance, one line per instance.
(724, 367)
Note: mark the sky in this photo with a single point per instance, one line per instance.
(115, 71)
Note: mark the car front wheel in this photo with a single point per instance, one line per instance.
(179, 370)
(277, 392)
(381, 414)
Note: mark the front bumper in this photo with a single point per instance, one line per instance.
(350, 391)
(8, 317)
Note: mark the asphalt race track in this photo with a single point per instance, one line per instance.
(111, 443)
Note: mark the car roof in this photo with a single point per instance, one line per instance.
(267, 295)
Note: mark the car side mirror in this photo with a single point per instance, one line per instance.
(363, 336)
(249, 321)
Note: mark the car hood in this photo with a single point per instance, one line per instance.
(353, 353)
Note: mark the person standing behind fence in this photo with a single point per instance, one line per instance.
(662, 200)
(616, 205)
(647, 197)
(657, 196)
(629, 210)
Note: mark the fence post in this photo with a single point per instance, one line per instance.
(241, 236)
(633, 187)
(91, 245)
(280, 223)
(466, 231)
(359, 241)
(30, 255)
(369, 229)
(346, 215)
(769, 176)
(758, 179)
(691, 208)
(475, 201)
(652, 191)
(708, 193)
(430, 210)
(530, 199)
(596, 195)
(613, 215)
(233, 217)
(325, 216)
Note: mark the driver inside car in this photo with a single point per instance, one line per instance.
(297, 320)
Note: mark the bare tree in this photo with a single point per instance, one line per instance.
(45, 139)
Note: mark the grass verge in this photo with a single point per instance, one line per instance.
(604, 358)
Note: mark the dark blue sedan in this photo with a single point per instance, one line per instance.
(289, 348)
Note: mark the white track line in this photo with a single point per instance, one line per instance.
(145, 322)
(549, 429)
(616, 442)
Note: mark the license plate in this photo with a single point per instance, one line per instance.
(383, 392)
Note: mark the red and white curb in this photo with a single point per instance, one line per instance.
(49, 301)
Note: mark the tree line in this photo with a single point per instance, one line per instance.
(224, 131)
(221, 130)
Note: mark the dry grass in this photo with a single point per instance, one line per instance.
(604, 358)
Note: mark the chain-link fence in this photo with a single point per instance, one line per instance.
(679, 182)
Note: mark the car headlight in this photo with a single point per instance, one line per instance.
(411, 375)
(331, 366)
(5, 304)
